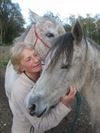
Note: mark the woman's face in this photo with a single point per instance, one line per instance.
(30, 61)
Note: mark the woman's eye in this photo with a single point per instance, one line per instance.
(35, 55)
(29, 59)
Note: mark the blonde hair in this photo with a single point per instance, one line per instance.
(16, 54)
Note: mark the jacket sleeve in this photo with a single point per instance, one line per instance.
(52, 119)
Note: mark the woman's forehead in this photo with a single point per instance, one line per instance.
(28, 50)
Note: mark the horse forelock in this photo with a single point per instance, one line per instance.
(62, 45)
(49, 21)
(50, 18)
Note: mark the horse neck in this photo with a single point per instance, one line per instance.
(85, 64)
(93, 55)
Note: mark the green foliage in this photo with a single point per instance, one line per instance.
(11, 21)
(67, 27)
(3, 63)
(4, 55)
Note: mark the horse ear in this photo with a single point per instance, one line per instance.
(77, 31)
(34, 17)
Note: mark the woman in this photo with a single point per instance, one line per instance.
(28, 63)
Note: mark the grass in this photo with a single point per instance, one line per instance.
(3, 62)
(4, 56)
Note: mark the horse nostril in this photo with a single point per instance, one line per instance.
(32, 109)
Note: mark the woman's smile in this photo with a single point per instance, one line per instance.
(37, 66)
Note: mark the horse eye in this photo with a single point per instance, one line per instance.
(63, 66)
(49, 35)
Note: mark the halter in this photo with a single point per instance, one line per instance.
(38, 38)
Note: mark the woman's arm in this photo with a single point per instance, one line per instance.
(54, 116)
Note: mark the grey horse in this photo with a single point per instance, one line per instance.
(72, 59)
(40, 35)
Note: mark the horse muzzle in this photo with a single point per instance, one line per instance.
(36, 106)
(34, 112)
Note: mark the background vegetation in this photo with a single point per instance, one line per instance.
(11, 21)
(12, 25)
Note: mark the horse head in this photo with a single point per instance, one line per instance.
(39, 35)
(64, 61)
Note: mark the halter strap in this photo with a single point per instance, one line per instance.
(38, 37)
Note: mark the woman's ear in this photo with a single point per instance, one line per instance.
(21, 69)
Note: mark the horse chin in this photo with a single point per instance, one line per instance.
(41, 114)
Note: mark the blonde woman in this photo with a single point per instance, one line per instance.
(28, 63)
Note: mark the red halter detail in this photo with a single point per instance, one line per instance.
(37, 37)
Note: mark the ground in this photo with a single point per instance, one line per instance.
(5, 114)
(83, 124)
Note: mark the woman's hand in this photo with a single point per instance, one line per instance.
(69, 96)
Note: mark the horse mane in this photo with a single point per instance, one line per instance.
(62, 45)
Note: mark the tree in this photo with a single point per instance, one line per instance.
(50, 14)
(91, 26)
(11, 21)
(67, 27)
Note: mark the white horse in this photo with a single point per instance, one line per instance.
(39, 34)
(72, 59)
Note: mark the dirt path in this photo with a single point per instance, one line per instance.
(83, 124)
